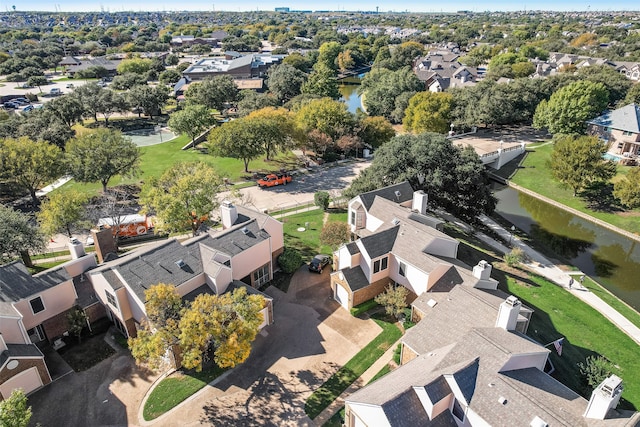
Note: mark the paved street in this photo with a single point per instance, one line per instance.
(13, 88)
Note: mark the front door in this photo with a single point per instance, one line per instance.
(36, 334)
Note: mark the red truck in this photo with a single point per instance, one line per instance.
(273, 179)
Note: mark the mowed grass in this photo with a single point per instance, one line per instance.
(175, 388)
(557, 313)
(535, 175)
(352, 370)
(158, 158)
(308, 242)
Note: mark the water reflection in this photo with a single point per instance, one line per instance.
(350, 97)
(612, 259)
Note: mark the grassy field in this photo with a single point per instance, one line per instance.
(158, 158)
(535, 175)
(559, 314)
(351, 371)
(175, 388)
(308, 241)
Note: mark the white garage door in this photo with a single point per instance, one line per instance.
(342, 296)
(28, 381)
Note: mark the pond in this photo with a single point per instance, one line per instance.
(610, 258)
(150, 136)
(350, 96)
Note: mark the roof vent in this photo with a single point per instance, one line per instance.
(502, 400)
(180, 263)
(398, 193)
(395, 221)
(245, 230)
(538, 422)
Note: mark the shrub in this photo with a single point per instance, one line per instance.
(515, 257)
(595, 370)
(394, 300)
(290, 260)
(321, 199)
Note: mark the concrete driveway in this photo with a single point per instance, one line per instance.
(311, 338)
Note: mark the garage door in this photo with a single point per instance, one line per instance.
(28, 381)
(342, 296)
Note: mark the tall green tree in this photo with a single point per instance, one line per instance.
(633, 95)
(30, 164)
(387, 93)
(148, 99)
(285, 81)
(213, 92)
(240, 139)
(251, 101)
(375, 130)
(454, 178)
(327, 116)
(183, 197)
(18, 236)
(89, 96)
(100, 155)
(134, 65)
(192, 120)
(278, 129)
(322, 82)
(15, 411)
(77, 320)
(67, 108)
(627, 190)
(110, 102)
(570, 107)
(62, 212)
(577, 162)
(428, 112)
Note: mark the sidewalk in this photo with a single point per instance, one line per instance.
(545, 268)
(356, 385)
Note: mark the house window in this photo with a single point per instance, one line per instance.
(261, 276)
(380, 264)
(111, 299)
(36, 305)
(402, 269)
(458, 412)
(353, 217)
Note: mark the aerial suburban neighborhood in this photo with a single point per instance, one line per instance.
(319, 218)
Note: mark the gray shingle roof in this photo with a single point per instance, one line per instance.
(626, 118)
(20, 350)
(466, 379)
(16, 282)
(355, 278)
(389, 193)
(380, 243)
(234, 240)
(405, 410)
(353, 248)
(438, 389)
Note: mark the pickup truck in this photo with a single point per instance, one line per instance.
(273, 179)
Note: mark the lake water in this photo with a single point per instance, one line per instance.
(610, 258)
(350, 97)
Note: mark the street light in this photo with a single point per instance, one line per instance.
(513, 229)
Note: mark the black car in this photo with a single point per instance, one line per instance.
(319, 262)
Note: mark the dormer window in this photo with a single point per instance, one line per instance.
(36, 305)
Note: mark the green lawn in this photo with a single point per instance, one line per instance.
(535, 175)
(560, 314)
(176, 388)
(158, 158)
(308, 241)
(351, 371)
(622, 308)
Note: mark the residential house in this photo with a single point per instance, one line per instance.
(398, 244)
(441, 70)
(620, 129)
(33, 311)
(468, 363)
(250, 66)
(243, 254)
(111, 65)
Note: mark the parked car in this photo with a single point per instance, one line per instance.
(55, 91)
(10, 105)
(319, 262)
(21, 101)
(70, 86)
(28, 108)
(273, 179)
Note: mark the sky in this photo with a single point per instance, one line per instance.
(384, 6)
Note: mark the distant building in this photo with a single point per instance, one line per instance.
(251, 66)
(282, 9)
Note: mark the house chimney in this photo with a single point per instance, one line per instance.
(482, 270)
(419, 204)
(76, 248)
(605, 397)
(228, 213)
(508, 313)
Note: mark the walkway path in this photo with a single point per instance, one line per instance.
(545, 268)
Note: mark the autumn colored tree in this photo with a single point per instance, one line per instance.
(375, 130)
(393, 299)
(278, 129)
(62, 212)
(327, 116)
(335, 233)
(183, 197)
(223, 324)
(428, 112)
